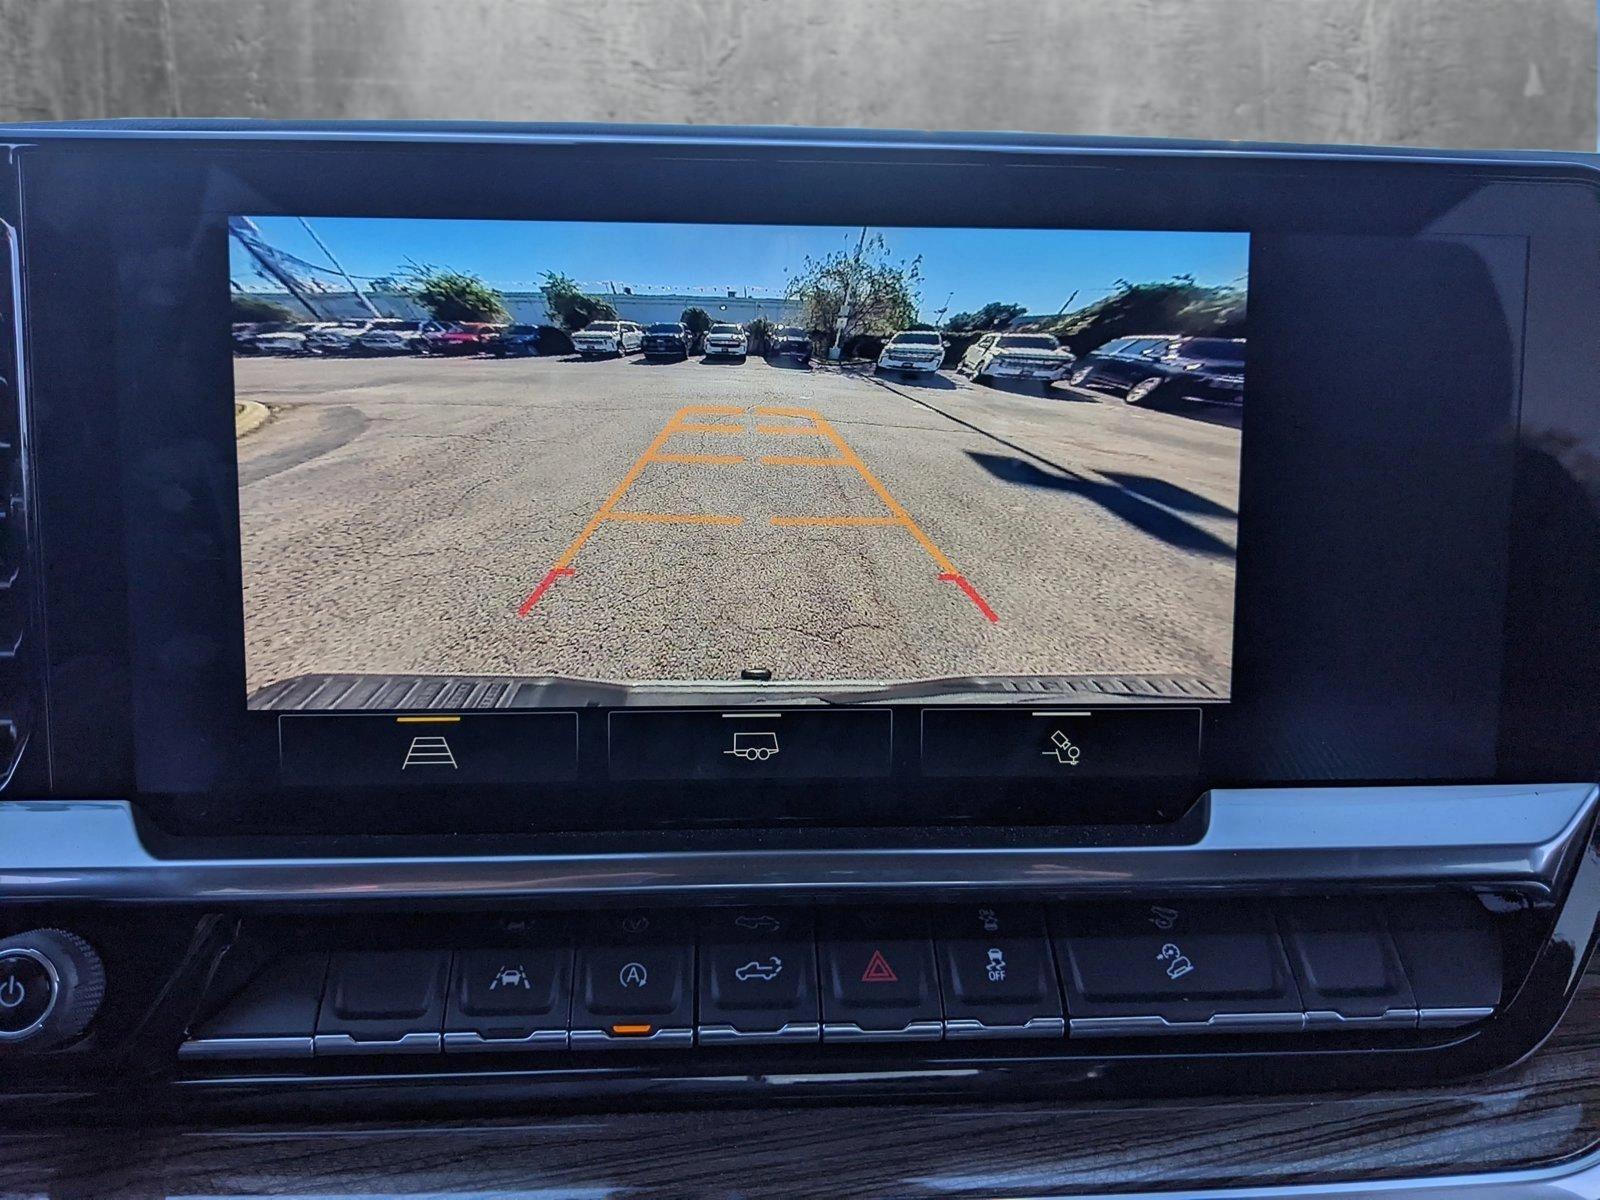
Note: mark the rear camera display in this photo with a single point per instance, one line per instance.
(620, 464)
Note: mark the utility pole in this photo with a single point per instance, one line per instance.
(244, 231)
(339, 267)
(836, 351)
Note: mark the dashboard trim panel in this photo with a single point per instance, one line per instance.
(1513, 835)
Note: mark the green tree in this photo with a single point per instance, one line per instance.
(453, 295)
(254, 310)
(882, 293)
(759, 332)
(697, 319)
(994, 315)
(570, 307)
(1176, 305)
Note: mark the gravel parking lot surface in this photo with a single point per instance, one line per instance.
(632, 520)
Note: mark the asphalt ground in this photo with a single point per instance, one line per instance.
(630, 520)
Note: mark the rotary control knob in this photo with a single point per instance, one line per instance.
(51, 985)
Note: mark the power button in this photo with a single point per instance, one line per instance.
(28, 989)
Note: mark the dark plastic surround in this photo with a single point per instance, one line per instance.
(1372, 623)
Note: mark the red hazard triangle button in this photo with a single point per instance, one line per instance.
(878, 970)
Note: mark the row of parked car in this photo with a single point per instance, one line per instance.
(1149, 369)
(1145, 369)
(604, 339)
(384, 336)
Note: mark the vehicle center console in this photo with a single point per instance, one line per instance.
(499, 614)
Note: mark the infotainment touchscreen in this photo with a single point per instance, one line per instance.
(636, 458)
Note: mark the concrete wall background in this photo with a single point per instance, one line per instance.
(1466, 73)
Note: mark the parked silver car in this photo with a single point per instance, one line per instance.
(600, 339)
(727, 341)
(1020, 356)
(913, 350)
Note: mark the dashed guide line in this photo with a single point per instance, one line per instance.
(816, 425)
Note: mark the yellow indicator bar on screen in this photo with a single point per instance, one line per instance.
(631, 1030)
(427, 720)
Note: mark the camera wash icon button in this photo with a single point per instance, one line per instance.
(1067, 745)
(1174, 965)
(750, 744)
(426, 750)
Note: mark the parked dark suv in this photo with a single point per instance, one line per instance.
(789, 341)
(516, 341)
(669, 340)
(1155, 369)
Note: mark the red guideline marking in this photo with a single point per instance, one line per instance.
(544, 586)
(972, 594)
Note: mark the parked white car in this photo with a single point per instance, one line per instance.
(912, 350)
(1031, 356)
(289, 341)
(393, 337)
(600, 339)
(727, 341)
(339, 337)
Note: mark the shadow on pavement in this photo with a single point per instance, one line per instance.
(1169, 495)
(788, 364)
(1209, 414)
(1143, 512)
(930, 380)
(643, 361)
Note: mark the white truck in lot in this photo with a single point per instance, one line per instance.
(1022, 356)
(912, 350)
(602, 339)
(727, 341)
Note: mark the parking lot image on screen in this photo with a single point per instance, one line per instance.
(882, 460)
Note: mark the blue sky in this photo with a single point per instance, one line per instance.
(1037, 268)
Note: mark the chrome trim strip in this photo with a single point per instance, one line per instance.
(247, 1047)
(917, 1031)
(601, 1039)
(1154, 1024)
(408, 1043)
(1511, 834)
(1033, 1027)
(1449, 1018)
(1577, 1180)
(464, 1041)
(727, 1035)
(1389, 1018)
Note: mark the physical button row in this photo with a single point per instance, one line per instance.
(427, 750)
(973, 971)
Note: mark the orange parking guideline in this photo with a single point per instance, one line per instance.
(801, 460)
(701, 460)
(816, 425)
(649, 518)
(823, 428)
(563, 565)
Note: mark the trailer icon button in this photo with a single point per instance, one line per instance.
(769, 743)
(754, 747)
